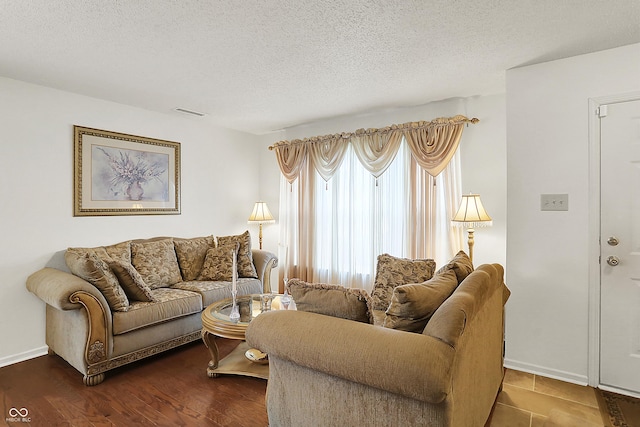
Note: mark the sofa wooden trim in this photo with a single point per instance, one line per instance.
(97, 338)
(124, 359)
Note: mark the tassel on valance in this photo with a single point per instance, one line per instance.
(432, 144)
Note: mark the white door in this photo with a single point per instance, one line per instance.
(620, 246)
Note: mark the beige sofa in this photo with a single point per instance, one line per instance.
(137, 298)
(326, 370)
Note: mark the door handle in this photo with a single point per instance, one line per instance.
(613, 261)
(613, 241)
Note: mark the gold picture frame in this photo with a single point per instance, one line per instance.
(121, 174)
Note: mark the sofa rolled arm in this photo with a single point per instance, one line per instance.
(412, 365)
(55, 287)
(264, 261)
(65, 291)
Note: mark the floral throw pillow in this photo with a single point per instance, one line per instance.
(119, 251)
(86, 264)
(156, 262)
(218, 264)
(191, 254)
(131, 281)
(245, 257)
(392, 271)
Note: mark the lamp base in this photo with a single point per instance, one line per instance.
(470, 241)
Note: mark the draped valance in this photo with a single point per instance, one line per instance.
(432, 144)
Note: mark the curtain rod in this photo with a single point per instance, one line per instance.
(440, 121)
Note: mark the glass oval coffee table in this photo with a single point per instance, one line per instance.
(217, 323)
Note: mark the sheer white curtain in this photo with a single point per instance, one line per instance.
(334, 230)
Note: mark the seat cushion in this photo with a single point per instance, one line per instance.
(392, 271)
(212, 291)
(169, 304)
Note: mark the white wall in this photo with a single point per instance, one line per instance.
(484, 171)
(483, 157)
(220, 183)
(547, 252)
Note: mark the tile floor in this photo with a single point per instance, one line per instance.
(526, 401)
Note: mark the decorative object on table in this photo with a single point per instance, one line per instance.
(471, 214)
(261, 215)
(235, 313)
(265, 302)
(286, 299)
(283, 252)
(256, 356)
(120, 174)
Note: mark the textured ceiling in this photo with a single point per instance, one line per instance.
(264, 65)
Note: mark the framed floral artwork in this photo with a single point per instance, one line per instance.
(120, 174)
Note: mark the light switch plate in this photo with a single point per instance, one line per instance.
(554, 202)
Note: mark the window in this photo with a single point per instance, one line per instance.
(335, 230)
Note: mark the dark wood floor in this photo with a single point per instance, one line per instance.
(171, 389)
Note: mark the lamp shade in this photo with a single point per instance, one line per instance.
(471, 213)
(261, 214)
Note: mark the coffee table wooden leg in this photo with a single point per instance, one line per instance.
(210, 343)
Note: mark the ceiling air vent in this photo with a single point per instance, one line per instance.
(184, 110)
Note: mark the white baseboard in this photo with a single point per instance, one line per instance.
(569, 377)
(21, 357)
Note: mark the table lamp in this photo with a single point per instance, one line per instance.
(261, 215)
(471, 214)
